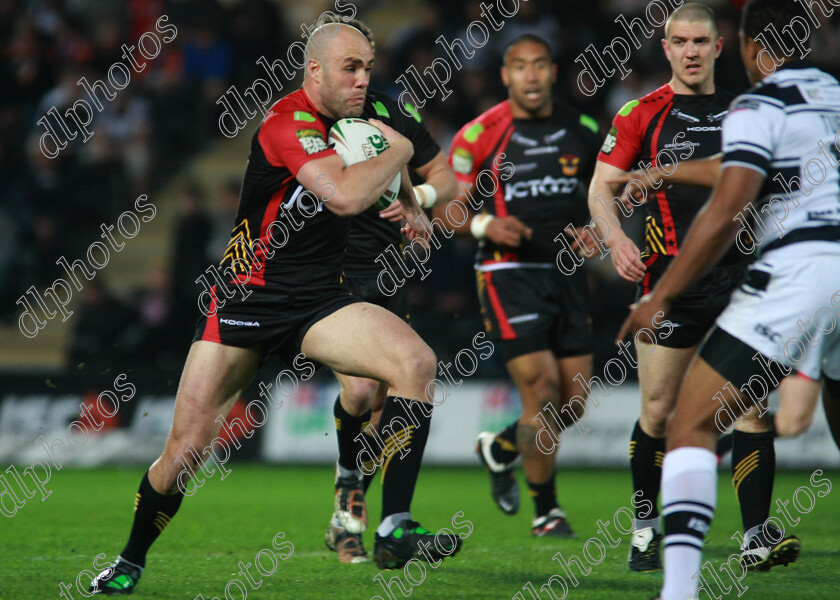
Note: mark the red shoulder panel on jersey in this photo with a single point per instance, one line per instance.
(479, 140)
(630, 125)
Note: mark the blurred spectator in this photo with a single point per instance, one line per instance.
(192, 236)
(223, 219)
(164, 332)
(103, 337)
(208, 61)
(256, 30)
(169, 112)
(123, 132)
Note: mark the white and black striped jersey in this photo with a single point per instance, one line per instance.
(787, 127)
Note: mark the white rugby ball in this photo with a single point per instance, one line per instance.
(355, 140)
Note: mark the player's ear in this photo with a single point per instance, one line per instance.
(665, 49)
(718, 46)
(313, 70)
(553, 72)
(505, 79)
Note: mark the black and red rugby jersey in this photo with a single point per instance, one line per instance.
(309, 240)
(542, 177)
(369, 234)
(687, 125)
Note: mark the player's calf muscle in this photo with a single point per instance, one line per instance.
(526, 441)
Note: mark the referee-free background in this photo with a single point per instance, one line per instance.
(160, 138)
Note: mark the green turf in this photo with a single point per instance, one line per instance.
(232, 520)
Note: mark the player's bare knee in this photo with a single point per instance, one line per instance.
(793, 425)
(419, 366)
(655, 413)
(358, 395)
(542, 390)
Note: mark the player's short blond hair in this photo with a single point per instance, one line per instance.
(693, 11)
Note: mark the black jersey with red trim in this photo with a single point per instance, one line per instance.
(662, 128)
(369, 234)
(537, 170)
(284, 236)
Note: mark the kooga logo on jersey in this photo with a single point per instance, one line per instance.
(547, 186)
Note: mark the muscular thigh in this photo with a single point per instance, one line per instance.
(363, 340)
(574, 370)
(661, 371)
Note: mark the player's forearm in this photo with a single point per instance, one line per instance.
(605, 214)
(702, 171)
(713, 230)
(360, 185)
(406, 196)
(440, 185)
(439, 188)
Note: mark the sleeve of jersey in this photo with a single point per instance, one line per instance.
(412, 127)
(750, 132)
(463, 157)
(623, 143)
(425, 148)
(287, 142)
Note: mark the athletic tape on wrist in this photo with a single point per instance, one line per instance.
(426, 195)
(479, 225)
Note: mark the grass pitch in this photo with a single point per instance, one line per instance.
(233, 520)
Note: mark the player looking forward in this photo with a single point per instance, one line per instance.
(538, 317)
(679, 120)
(774, 133)
(297, 298)
(361, 400)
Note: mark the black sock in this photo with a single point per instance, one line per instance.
(152, 513)
(544, 496)
(724, 443)
(503, 449)
(646, 455)
(753, 471)
(403, 429)
(347, 428)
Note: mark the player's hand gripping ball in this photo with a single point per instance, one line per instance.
(356, 140)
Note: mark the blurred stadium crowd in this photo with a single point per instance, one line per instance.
(169, 113)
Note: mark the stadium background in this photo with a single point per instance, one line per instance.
(160, 137)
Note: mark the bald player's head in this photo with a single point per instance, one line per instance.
(693, 12)
(338, 30)
(339, 60)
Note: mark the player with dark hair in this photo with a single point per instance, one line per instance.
(772, 136)
(288, 249)
(361, 400)
(542, 153)
(679, 120)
